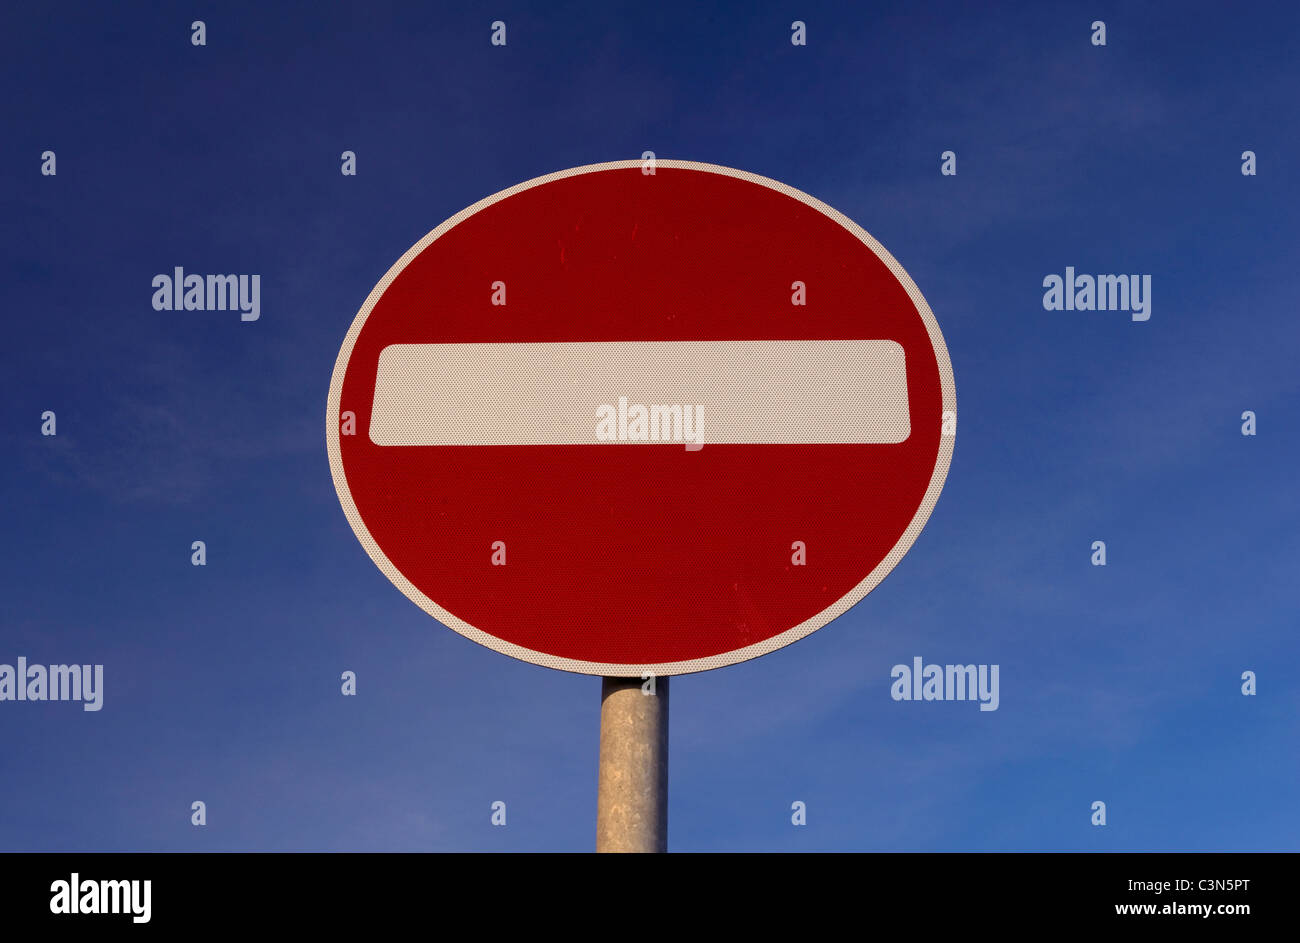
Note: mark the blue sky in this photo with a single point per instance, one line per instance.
(1119, 684)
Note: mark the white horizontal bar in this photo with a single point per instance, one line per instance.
(837, 391)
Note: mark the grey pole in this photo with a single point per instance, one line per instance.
(632, 795)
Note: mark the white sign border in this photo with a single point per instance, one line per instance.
(838, 608)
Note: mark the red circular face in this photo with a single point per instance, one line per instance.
(619, 422)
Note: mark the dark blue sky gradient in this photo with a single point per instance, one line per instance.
(221, 683)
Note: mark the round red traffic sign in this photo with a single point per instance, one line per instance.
(619, 422)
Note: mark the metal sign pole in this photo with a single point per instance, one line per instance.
(632, 796)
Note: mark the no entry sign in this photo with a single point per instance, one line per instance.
(617, 422)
